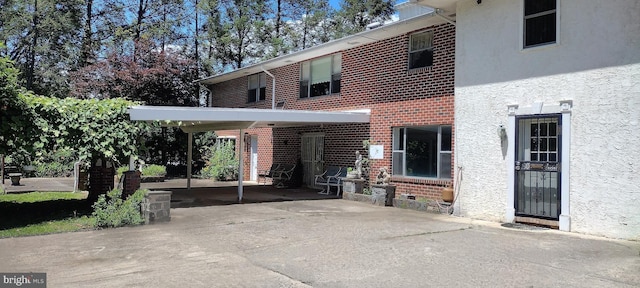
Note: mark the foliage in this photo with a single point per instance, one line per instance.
(121, 171)
(87, 127)
(111, 211)
(57, 163)
(355, 15)
(154, 170)
(71, 224)
(17, 126)
(168, 146)
(43, 38)
(241, 26)
(147, 75)
(222, 163)
(33, 197)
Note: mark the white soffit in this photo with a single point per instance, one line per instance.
(446, 5)
(200, 119)
(369, 36)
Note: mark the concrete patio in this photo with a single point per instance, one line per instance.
(326, 243)
(287, 241)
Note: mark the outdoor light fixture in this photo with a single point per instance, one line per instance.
(502, 131)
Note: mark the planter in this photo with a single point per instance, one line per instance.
(352, 185)
(150, 179)
(447, 194)
(351, 175)
(15, 178)
(29, 170)
(383, 194)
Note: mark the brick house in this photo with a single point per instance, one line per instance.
(401, 73)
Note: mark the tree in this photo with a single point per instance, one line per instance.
(296, 25)
(243, 32)
(42, 37)
(16, 131)
(355, 15)
(316, 18)
(153, 77)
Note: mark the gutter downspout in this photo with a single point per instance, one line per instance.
(273, 87)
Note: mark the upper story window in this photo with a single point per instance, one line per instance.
(321, 76)
(421, 50)
(422, 151)
(257, 87)
(539, 22)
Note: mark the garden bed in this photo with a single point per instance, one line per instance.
(419, 205)
(151, 179)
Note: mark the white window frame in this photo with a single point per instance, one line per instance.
(420, 50)
(402, 152)
(262, 83)
(335, 72)
(522, 40)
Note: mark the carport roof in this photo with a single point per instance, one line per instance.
(199, 119)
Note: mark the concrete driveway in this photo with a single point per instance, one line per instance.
(322, 243)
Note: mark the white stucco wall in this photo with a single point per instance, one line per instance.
(596, 63)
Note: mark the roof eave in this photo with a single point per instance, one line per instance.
(446, 5)
(352, 41)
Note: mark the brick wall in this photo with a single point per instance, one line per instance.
(374, 76)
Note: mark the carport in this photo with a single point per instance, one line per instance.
(203, 119)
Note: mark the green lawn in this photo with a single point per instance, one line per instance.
(41, 196)
(49, 227)
(38, 213)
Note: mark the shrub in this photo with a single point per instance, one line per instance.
(111, 211)
(121, 171)
(58, 163)
(154, 170)
(222, 164)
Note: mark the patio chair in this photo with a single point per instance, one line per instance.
(283, 175)
(324, 178)
(268, 173)
(336, 181)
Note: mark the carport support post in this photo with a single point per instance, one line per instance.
(189, 158)
(240, 167)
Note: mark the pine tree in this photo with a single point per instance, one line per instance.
(42, 37)
(355, 15)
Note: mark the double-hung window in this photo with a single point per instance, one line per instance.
(422, 151)
(421, 50)
(539, 22)
(321, 76)
(257, 87)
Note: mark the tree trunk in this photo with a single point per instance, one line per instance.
(86, 49)
(32, 56)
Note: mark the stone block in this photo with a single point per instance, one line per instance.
(157, 206)
(352, 185)
(383, 194)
